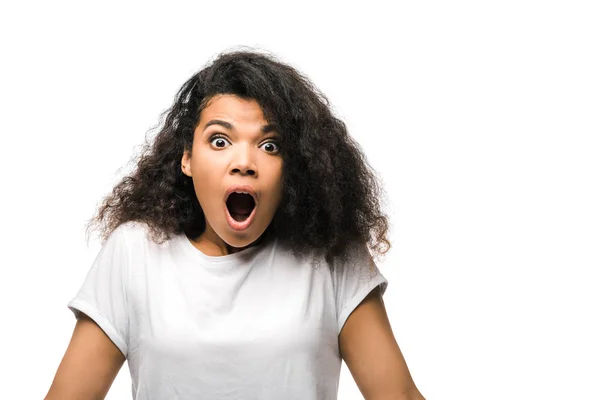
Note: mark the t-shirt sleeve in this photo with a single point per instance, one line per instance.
(103, 295)
(354, 280)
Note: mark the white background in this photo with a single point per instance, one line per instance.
(482, 119)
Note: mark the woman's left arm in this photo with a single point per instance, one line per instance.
(370, 351)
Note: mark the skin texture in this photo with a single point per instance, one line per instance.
(89, 366)
(241, 155)
(369, 349)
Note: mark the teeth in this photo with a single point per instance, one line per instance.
(235, 191)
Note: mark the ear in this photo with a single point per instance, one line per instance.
(185, 163)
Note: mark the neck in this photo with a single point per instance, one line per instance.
(212, 245)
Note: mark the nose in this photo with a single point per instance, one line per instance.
(243, 162)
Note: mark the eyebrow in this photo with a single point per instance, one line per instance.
(265, 129)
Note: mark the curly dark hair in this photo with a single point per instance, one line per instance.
(331, 197)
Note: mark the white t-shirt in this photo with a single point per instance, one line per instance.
(257, 324)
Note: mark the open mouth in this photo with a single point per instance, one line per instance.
(240, 206)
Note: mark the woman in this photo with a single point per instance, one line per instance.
(235, 261)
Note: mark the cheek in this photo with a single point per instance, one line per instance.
(206, 182)
(208, 168)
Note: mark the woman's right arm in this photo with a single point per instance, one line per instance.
(89, 366)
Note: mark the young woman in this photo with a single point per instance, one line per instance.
(236, 259)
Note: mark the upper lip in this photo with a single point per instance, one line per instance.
(241, 188)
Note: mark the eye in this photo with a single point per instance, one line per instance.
(271, 147)
(219, 141)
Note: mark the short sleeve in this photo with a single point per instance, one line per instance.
(103, 295)
(354, 280)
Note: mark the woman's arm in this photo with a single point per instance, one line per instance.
(89, 366)
(370, 351)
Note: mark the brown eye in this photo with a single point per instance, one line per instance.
(218, 141)
(271, 147)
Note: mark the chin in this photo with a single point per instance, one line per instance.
(241, 241)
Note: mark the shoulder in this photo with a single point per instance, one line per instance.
(358, 260)
(138, 237)
(132, 228)
(135, 233)
(131, 236)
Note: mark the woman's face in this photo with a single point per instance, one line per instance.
(233, 146)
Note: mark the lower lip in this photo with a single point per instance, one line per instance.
(239, 225)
